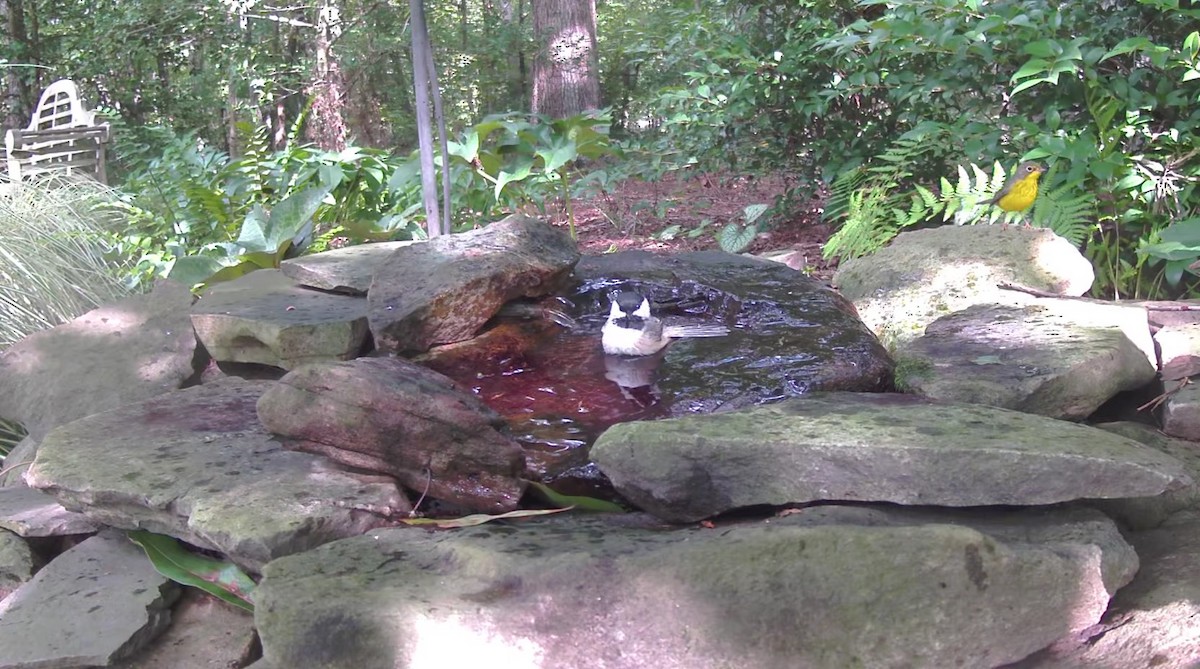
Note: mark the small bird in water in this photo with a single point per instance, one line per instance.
(1020, 190)
(632, 330)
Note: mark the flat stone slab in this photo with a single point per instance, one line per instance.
(196, 464)
(33, 513)
(136, 348)
(830, 587)
(1057, 358)
(346, 270)
(872, 447)
(96, 603)
(266, 318)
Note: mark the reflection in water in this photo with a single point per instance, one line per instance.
(635, 376)
(555, 388)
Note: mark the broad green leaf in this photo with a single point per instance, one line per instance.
(521, 170)
(253, 235)
(576, 501)
(753, 212)
(734, 238)
(478, 518)
(1171, 251)
(223, 580)
(468, 149)
(1186, 232)
(1173, 272)
(292, 217)
(1127, 45)
(405, 176)
(191, 270)
(668, 233)
(558, 154)
(331, 175)
(1032, 67)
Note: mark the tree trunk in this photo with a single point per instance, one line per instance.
(565, 79)
(17, 102)
(326, 126)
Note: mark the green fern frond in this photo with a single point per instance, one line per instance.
(869, 204)
(1070, 211)
(867, 226)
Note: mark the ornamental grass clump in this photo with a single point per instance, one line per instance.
(58, 256)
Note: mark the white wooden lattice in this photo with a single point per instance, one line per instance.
(61, 135)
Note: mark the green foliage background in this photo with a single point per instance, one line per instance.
(909, 112)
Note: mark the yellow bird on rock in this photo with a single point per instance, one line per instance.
(1021, 189)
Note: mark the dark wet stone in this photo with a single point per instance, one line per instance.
(790, 334)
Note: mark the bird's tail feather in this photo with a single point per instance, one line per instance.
(678, 331)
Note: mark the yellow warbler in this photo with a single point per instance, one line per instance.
(1020, 190)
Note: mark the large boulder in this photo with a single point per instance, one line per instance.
(346, 270)
(97, 603)
(925, 274)
(1054, 357)
(1152, 622)
(789, 333)
(830, 587)
(391, 416)
(443, 291)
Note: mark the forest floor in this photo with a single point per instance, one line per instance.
(643, 215)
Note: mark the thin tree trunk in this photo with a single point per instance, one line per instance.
(565, 79)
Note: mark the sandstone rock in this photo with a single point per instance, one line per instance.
(98, 602)
(1180, 345)
(17, 562)
(17, 460)
(33, 513)
(345, 270)
(1152, 622)
(195, 464)
(926, 274)
(205, 634)
(1142, 513)
(391, 416)
(442, 291)
(1180, 350)
(828, 587)
(1057, 358)
(1181, 411)
(137, 348)
(264, 317)
(872, 447)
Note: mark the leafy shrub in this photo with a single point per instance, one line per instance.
(200, 217)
